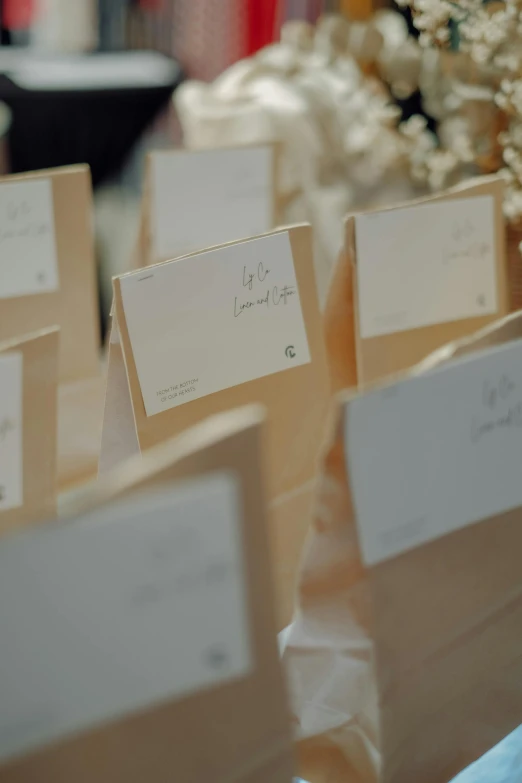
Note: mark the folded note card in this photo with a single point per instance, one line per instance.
(11, 430)
(28, 428)
(221, 328)
(138, 629)
(165, 615)
(47, 264)
(452, 436)
(208, 197)
(426, 264)
(414, 277)
(28, 257)
(219, 319)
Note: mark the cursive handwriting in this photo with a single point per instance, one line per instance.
(509, 420)
(283, 294)
(497, 391)
(276, 297)
(260, 275)
(6, 426)
(25, 232)
(473, 250)
(461, 232)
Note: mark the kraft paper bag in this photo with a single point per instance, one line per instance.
(48, 215)
(414, 277)
(28, 421)
(279, 363)
(146, 616)
(47, 278)
(404, 656)
(194, 199)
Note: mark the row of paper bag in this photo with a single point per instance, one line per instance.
(286, 482)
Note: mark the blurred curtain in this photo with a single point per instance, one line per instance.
(210, 35)
(263, 19)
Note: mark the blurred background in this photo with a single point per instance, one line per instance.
(362, 115)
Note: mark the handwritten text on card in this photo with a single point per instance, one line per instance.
(165, 615)
(215, 320)
(28, 258)
(436, 452)
(426, 264)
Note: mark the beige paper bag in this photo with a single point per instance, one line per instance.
(296, 401)
(409, 669)
(28, 429)
(73, 306)
(355, 360)
(145, 251)
(221, 727)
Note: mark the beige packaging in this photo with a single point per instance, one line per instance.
(355, 361)
(74, 308)
(38, 425)
(409, 669)
(235, 728)
(145, 253)
(296, 401)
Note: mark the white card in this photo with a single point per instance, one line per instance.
(28, 259)
(425, 265)
(437, 452)
(206, 198)
(11, 431)
(138, 603)
(208, 322)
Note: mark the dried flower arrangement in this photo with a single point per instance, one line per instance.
(488, 38)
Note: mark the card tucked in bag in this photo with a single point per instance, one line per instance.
(405, 655)
(146, 624)
(28, 383)
(47, 278)
(194, 199)
(414, 277)
(208, 332)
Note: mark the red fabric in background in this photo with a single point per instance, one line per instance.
(262, 21)
(18, 14)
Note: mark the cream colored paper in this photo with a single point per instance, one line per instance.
(356, 360)
(29, 262)
(205, 198)
(176, 580)
(205, 323)
(462, 422)
(180, 183)
(426, 264)
(296, 400)
(408, 670)
(241, 744)
(73, 306)
(29, 429)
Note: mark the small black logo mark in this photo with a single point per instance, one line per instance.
(481, 300)
(290, 352)
(216, 658)
(41, 277)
